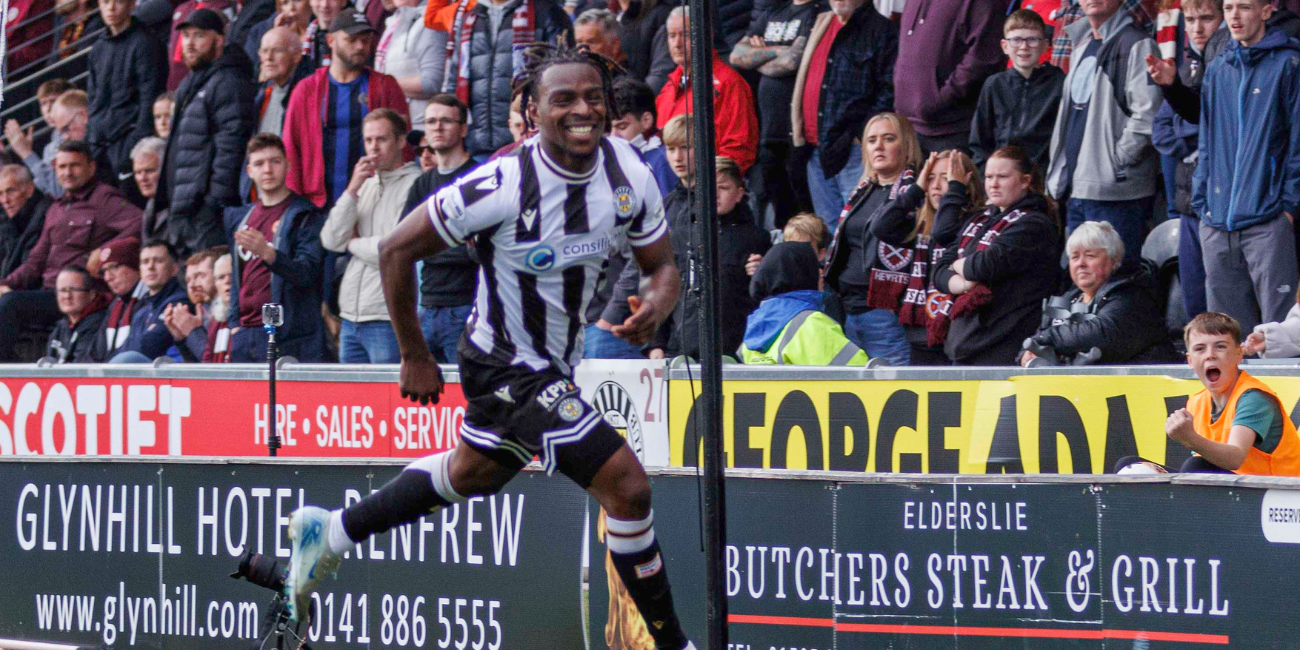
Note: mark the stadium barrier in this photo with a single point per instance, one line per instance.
(911, 420)
(135, 552)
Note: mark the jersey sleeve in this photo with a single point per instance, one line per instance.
(474, 203)
(649, 224)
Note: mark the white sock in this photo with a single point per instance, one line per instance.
(339, 541)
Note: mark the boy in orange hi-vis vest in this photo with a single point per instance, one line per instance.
(1236, 424)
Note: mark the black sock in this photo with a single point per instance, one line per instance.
(635, 553)
(402, 500)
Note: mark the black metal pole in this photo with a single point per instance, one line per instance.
(709, 407)
(273, 432)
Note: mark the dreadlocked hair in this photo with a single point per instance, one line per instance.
(540, 56)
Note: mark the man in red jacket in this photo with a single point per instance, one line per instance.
(88, 215)
(735, 122)
(322, 127)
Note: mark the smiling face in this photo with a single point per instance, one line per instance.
(569, 111)
(1025, 47)
(1216, 359)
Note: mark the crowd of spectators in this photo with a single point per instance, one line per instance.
(923, 182)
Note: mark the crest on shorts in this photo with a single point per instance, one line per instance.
(569, 410)
(623, 201)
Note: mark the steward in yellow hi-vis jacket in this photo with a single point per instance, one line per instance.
(789, 327)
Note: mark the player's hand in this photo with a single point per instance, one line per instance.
(641, 325)
(1179, 427)
(421, 380)
(1162, 71)
(1254, 344)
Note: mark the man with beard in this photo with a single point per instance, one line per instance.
(213, 118)
(322, 131)
(217, 349)
(188, 323)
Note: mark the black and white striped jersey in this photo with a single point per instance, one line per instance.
(543, 235)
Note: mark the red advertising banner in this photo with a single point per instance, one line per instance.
(221, 417)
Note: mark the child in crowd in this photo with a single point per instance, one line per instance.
(738, 239)
(1236, 423)
(634, 120)
(162, 115)
(1018, 106)
(808, 227)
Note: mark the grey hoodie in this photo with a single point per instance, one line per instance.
(1117, 161)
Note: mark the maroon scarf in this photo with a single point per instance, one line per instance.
(524, 25)
(969, 302)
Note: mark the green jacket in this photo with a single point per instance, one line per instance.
(811, 338)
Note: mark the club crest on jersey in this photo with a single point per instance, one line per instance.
(540, 258)
(623, 201)
(569, 410)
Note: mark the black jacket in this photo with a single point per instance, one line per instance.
(733, 19)
(73, 344)
(449, 278)
(639, 26)
(214, 117)
(295, 277)
(1013, 110)
(253, 22)
(1020, 267)
(18, 235)
(127, 72)
(1118, 321)
(738, 238)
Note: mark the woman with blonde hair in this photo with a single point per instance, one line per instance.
(925, 217)
(891, 156)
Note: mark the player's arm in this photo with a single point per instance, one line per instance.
(658, 296)
(413, 239)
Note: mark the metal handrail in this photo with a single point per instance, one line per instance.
(40, 65)
(16, 107)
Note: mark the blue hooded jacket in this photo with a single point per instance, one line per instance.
(1249, 165)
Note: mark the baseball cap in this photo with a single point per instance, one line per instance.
(351, 22)
(204, 19)
(125, 252)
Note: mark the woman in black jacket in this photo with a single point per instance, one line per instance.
(926, 216)
(1004, 263)
(868, 276)
(1106, 318)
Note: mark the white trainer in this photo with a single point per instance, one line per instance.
(311, 561)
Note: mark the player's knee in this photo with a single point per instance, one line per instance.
(476, 480)
(633, 496)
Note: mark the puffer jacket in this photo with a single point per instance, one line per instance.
(355, 225)
(1117, 321)
(1248, 170)
(1116, 161)
(149, 335)
(126, 74)
(491, 70)
(70, 343)
(295, 277)
(213, 119)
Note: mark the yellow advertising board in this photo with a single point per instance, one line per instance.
(1026, 424)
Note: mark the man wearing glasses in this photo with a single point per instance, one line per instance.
(1019, 106)
(68, 120)
(446, 279)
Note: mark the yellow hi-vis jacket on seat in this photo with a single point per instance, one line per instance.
(811, 338)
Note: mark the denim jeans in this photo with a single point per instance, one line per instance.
(130, 356)
(368, 342)
(830, 194)
(1129, 218)
(442, 327)
(879, 333)
(601, 344)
